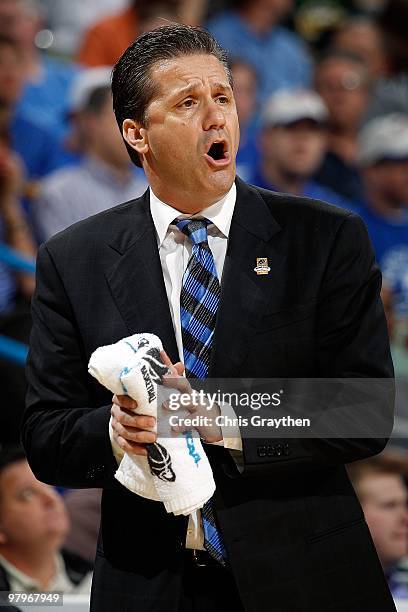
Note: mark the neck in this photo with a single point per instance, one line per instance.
(343, 142)
(385, 206)
(257, 18)
(40, 565)
(184, 201)
(284, 181)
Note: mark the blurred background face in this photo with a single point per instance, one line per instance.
(31, 512)
(17, 22)
(11, 75)
(244, 91)
(363, 38)
(344, 89)
(389, 179)
(103, 135)
(384, 501)
(296, 149)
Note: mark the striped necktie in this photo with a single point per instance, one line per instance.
(199, 299)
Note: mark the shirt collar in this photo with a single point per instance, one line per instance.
(60, 580)
(220, 213)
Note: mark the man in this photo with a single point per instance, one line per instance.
(286, 526)
(383, 496)
(343, 81)
(292, 144)
(383, 160)
(33, 526)
(47, 80)
(251, 31)
(103, 177)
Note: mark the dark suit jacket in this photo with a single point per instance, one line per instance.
(294, 530)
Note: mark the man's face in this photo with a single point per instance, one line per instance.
(295, 149)
(31, 512)
(342, 86)
(389, 179)
(244, 91)
(102, 132)
(384, 501)
(11, 75)
(193, 109)
(17, 23)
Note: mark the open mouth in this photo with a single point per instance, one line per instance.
(218, 154)
(216, 150)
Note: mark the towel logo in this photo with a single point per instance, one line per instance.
(191, 447)
(262, 266)
(149, 384)
(159, 460)
(156, 366)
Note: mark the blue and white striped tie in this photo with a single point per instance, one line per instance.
(199, 299)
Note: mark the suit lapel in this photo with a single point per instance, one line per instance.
(244, 294)
(136, 279)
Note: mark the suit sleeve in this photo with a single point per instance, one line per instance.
(351, 342)
(65, 436)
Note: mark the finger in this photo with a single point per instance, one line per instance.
(178, 383)
(165, 358)
(131, 447)
(124, 401)
(133, 420)
(134, 434)
(179, 368)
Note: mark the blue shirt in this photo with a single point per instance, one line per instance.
(279, 57)
(311, 189)
(45, 102)
(39, 148)
(390, 241)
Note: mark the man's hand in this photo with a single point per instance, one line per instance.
(131, 431)
(209, 433)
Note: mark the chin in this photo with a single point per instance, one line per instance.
(221, 182)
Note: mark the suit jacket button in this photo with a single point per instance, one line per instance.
(261, 451)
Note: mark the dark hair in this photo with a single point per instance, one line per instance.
(10, 455)
(133, 87)
(97, 99)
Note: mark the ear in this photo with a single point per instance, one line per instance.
(135, 136)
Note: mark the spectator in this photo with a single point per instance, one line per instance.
(383, 158)
(39, 149)
(292, 145)
(343, 81)
(105, 42)
(391, 93)
(362, 37)
(383, 497)
(103, 177)
(251, 31)
(398, 339)
(15, 290)
(33, 525)
(47, 81)
(245, 99)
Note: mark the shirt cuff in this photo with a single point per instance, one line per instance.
(231, 435)
(117, 451)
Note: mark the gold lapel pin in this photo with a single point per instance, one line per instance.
(262, 266)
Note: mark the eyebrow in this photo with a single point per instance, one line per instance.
(193, 87)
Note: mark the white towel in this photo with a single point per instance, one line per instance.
(177, 471)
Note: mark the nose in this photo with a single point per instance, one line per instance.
(214, 118)
(49, 497)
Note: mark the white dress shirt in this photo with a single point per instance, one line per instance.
(174, 252)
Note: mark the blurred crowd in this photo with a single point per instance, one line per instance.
(321, 88)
